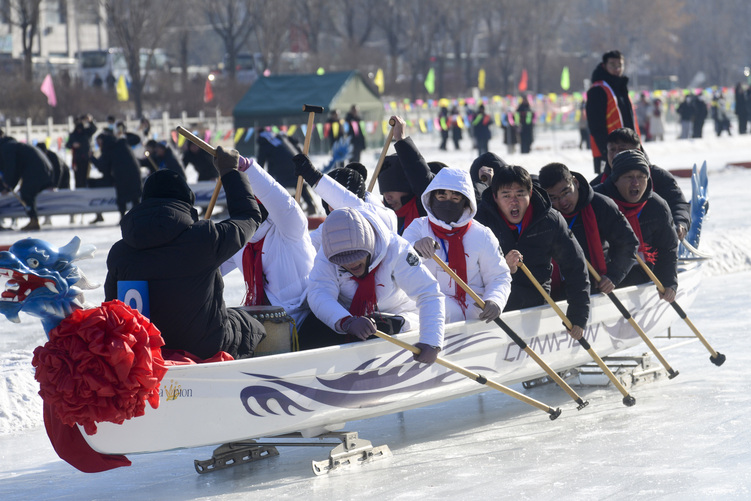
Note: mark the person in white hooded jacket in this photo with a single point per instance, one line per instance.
(363, 269)
(469, 248)
(281, 246)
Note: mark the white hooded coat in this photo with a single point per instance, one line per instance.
(287, 250)
(487, 272)
(403, 286)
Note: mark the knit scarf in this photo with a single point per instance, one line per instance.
(522, 225)
(253, 274)
(457, 257)
(364, 302)
(632, 211)
(409, 212)
(592, 234)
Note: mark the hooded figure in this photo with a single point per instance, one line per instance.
(481, 172)
(178, 256)
(361, 270)
(467, 246)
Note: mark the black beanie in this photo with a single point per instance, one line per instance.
(167, 184)
(351, 178)
(391, 177)
(629, 160)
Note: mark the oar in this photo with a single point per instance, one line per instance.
(385, 149)
(211, 151)
(311, 110)
(151, 161)
(628, 400)
(716, 357)
(515, 337)
(554, 413)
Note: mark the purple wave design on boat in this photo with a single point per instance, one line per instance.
(263, 395)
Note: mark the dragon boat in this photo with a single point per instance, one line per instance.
(314, 393)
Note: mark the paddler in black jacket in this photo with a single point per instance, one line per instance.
(179, 256)
(608, 242)
(529, 230)
(630, 186)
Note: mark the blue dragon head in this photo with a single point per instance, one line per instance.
(42, 280)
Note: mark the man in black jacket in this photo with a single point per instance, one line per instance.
(602, 231)
(121, 165)
(164, 158)
(663, 182)
(529, 230)
(79, 141)
(608, 104)
(179, 256)
(630, 186)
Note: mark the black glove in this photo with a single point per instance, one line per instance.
(304, 168)
(225, 161)
(428, 354)
(360, 327)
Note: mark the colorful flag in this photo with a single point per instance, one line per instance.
(208, 93)
(565, 82)
(430, 81)
(122, 89)
(481, 79)
(378, 81)
(48, 89)
(523, 81)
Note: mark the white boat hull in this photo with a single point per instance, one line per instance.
(320, 390)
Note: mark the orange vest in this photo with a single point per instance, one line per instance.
(613, 117)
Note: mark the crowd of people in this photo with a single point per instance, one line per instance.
(372, 264)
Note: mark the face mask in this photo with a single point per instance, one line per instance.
(448, 211)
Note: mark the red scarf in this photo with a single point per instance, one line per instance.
(632, 211)
(364, 302)
(456, 255)
(592, 234)
(409, 212)
(253, 273)
(525, 220)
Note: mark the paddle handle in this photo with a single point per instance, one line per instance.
(196, 140)
(312, 110)
(382, 158)
(554, 413)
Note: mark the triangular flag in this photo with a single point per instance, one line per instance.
(319, 129)
(335, 129)
(523, 81)
(180, 141)
(248, 134)
(291, 130)
(481, 79)
(239, 134)
(48, 89)
(208, 93)
(378, 81)
(122, 89)
(430, 81)
(565, 82)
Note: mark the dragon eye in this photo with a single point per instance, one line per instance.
(32, 262)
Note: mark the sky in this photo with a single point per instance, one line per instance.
(686, 438)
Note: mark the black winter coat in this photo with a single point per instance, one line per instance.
(202, 162)
(657, 231)
(546, 237)
(619, 243)
(164, 244)
(488, 159)
(416, 171)
(275, 153)
(119, 163)
(21, 161)
(597, 104)
(81, 135)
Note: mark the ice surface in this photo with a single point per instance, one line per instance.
(686, 438)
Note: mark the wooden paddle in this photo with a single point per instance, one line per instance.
(628, 400)
(151, 160)
(617, 302)
(311, 110)
(554, 413)
(385, 149)
(211, 151)
(515, 337)
(716, 357)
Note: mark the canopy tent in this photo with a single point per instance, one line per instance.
(278, 101)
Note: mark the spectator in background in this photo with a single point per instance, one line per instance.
(741, 108)
(481, 130)
(700, 114)
(355, 133)
(164, 158)
(643, 112)
(456, 130)
(583, 126)
(443, 123)
(526, 121)
(79, 142)
(144, 127)
(656, 124)
(121, 167)
(201, 161)
(686, 113)
(60, 170)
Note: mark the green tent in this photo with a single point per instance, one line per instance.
(278, 100)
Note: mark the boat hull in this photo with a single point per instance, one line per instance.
(315, 391)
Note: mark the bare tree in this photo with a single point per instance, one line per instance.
(25, 15)
(137, 25)
(272, 29)
(233, 21)
(423, 24)
(393, 22)
(311, 18)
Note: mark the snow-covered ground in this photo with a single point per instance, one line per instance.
(686, 438)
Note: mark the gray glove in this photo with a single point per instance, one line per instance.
(360, 327)
(226, 161)
(428, 354)
(490, 312)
